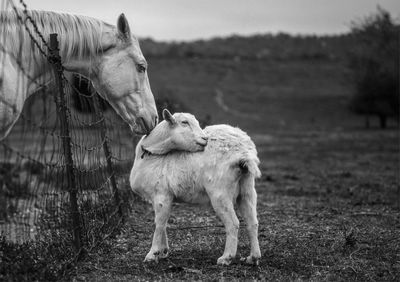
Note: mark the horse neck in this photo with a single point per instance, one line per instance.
(78, 51)
(40, 75)
(72, 63)
(84, 64)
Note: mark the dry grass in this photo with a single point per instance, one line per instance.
(327, 210)
(328, 199)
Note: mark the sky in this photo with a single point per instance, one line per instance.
(183, 20)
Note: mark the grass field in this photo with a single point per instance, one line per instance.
(328, 199)
(328, 210)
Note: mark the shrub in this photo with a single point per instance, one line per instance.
(374, 60)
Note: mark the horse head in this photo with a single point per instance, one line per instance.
(107, 55)
(119, 74)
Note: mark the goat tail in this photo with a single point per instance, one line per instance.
(249, 172)
(250, 166)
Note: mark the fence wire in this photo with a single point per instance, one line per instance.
(34, 195)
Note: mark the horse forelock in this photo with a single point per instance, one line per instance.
(79, 36)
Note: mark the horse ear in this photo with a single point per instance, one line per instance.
(123, 27)
(168, 117)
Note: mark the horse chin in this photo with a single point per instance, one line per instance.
(134, 124)
(134, 117)
(138, 130)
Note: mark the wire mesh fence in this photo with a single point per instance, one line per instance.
(64, 164)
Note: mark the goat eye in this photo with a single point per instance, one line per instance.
(185, 122)
(141, 68)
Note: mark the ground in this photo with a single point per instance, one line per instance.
(328, 199)
(328, 206)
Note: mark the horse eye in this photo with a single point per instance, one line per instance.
(141, 68)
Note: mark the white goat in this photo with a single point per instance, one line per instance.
(175, 162)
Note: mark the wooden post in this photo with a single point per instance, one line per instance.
(63, 116)
(398, 92)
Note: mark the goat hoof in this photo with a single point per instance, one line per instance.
(251, 260)
(150, 259)
(152, 256)
(224, 260)
(164, 253)
(155, 256)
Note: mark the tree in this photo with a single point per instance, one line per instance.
(375, 62)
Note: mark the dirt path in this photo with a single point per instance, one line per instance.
(219, 98)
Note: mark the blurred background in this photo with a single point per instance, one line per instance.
(266, 65)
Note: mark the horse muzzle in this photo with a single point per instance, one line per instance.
(147, 124)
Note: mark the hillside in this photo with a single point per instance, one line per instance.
(281, 46)
(258, 95)
(261, 83)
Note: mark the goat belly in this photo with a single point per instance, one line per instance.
(193, 196)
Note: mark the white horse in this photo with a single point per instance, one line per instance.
(109, 56)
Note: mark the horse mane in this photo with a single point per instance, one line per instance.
(79, 36)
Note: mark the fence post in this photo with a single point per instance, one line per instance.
(66, 140)
(107, 151)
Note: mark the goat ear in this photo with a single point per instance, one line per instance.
(123, 27)
(158, 148)
(168, 117)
